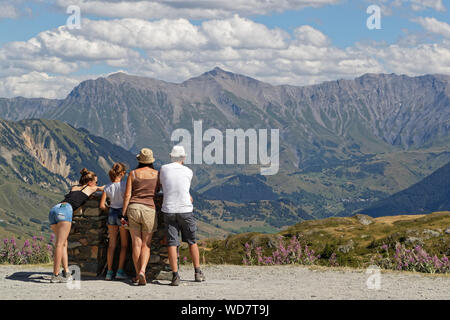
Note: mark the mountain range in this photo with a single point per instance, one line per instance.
(428, 195)
(344, 144)
(40, 159)
(399, 110)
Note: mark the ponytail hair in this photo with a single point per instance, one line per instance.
(86, 176)
(117, 169)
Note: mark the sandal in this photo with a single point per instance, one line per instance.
(135, 280)
(142, 280)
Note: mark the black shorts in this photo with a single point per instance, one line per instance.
(184, 222)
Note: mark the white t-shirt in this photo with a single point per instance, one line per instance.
(115, 192)
(176, 181)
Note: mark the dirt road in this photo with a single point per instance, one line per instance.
(232, 283)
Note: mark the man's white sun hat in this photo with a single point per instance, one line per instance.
(177, 152)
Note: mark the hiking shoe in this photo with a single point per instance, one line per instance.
(120, 275)
(199, 277)
(67, 276)
(57, 279)
(109, 275)
(175, 281)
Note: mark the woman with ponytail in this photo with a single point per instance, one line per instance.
(114, 192)
(60, 217)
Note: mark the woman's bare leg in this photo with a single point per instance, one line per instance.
(112, 230)
(61, 230)
(55, 231)
(123, 246)
(136, 240)
(145, 251)
(65, 257)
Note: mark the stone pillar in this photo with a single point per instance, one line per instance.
(88, 243)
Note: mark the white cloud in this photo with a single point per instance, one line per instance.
(8, 11)
(243, 33)
(163, 34)
(57, 51)
(307, 35)
(180, 34)
(175, 50)
(435, 26)
(189, 9)
(388, 6)
(419, 60)
(63, 43)
(38, 84)
(418, 5)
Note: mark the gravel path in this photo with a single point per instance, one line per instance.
(231, 283)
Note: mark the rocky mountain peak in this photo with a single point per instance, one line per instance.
(217, 71)
(115, 80)
(119, 74)
(217, 81)
(120, 78)
(219, 75)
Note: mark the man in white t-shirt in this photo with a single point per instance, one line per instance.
(177, 209)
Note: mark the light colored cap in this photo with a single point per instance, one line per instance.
(177, 152)
(145, 156)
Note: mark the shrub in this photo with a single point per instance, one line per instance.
(294, 252)
(34, 251)
(416, 259)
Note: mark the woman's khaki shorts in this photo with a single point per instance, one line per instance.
(142, 218)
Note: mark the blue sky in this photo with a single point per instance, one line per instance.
(292, 42)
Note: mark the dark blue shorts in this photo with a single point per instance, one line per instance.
(184, 222)
(113, 217)
(60, 212)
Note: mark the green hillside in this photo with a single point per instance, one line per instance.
(39, 160)
(355, 240)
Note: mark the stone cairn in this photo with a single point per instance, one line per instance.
(88, 243)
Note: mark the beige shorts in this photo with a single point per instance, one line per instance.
(142, 218)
